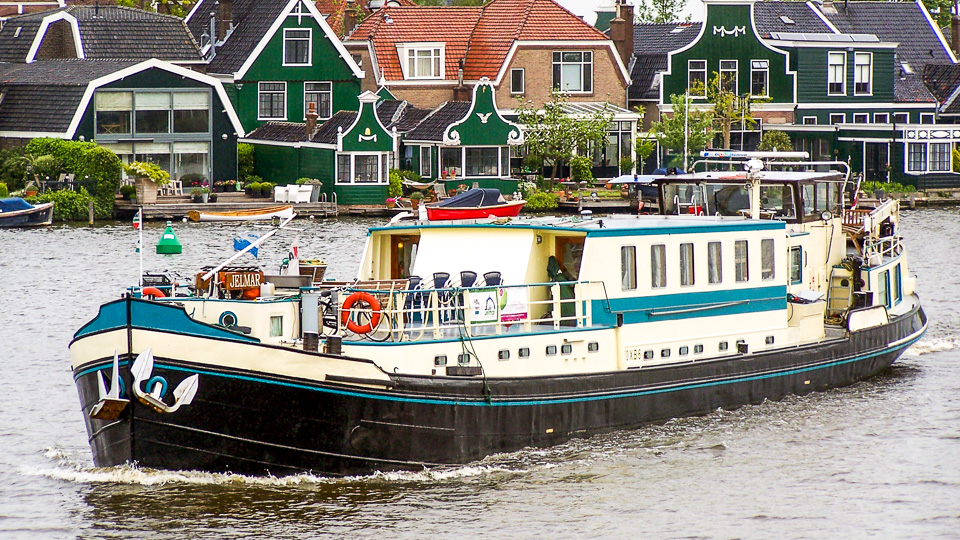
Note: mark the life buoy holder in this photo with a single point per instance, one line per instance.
(374, 317)
(152, 291)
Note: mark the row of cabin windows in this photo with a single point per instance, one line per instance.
(523, 352)
(684, 350)
(659, 270)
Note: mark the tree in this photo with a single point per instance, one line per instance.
(728, 107)
(775, 140)
(669, 132)
(660, 11)
(939, 11)
(553, 134)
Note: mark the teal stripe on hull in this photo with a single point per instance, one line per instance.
(669, 307)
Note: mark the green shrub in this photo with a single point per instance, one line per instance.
(956, 160)
(88, 161)
(245, 154)
(310, 181)
(775, 140)
(416, 195)
(252, 179)
(888, 187)
(3, 190)
(580, 169)
(396, 184)
(68, 205)
(127, 191)
(542, 201)
(410, 175)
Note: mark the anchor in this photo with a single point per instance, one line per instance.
(183, 394)
(111, 404)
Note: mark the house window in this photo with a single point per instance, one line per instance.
(836, 68)
(191, 112)
(425, 158)
(573, 71)
(296, 46)
(273, 101)
(628, 268)
(482, 161)
(862, 73)
(759, 75)
(451, 160)
(728, 75)
(917, 157)
(861, 118)
(881, 118)
(809, 120)
(658, 266)
(766, 259)
(320, 93)
(152, 112)
(796, 265)
(361, 168)
(940, 157)
(741, 261)
(191, 158)
(714, 262)
(686, 264)
(114, 112)
(927, 118)
(901, 117)
(516, 81)
(838, 118)
(424, 62)
(697, 77)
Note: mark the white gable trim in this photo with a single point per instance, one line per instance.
(42, 31)
(454, 140)
(365, 98)
(936, 31)
(192, 11)
(32, 134)
(159, 64)
(327, 32)
(823, 18)
(563, 43)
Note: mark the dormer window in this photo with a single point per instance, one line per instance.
(573, 71)
(422, 60)
(296, 46)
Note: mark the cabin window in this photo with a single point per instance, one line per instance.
(516, 81)
(593, 346)
(862, 73)
(697, 78)
(766, 259)
(296, 46)
(566, 348)
(628, 268)
(836, 73)
(276, 325)
(440, 360)
(768, 340)
(320, 93)
(664, 353)
(425, 169)
(808, 201)
(504, 354)
(714, 262)
(897, 287)
(647, 355)
(728, 76)
(741, 262)
(685, 350)
(658, 266)
(463, 359)
(697, 349)
(777, 201)
(759, 75)
(272, 99)
(524, 352)
(686, 264)
(883, 287)
(796, 265)
(573, 71)
(551, 350)
(724, 345)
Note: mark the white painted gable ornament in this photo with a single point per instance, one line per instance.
(722, 30)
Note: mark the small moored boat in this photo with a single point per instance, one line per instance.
(476, 203)
(16, 212)
(282, 212)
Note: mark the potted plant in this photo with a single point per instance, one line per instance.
(213, 197)
(315, 183)
(218, 186)
(196, 194)
(30, 190)
(127, 191)
(266, 190)
(149, 176)
(230, 185)
(415, 199)
(253, 181)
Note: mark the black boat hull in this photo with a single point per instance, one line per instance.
(254, 423)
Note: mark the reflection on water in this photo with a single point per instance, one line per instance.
(873, 459)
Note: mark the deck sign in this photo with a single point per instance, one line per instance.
(484, 306)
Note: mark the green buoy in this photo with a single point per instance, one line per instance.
(168, 243)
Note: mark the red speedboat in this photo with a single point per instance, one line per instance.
(474, 204)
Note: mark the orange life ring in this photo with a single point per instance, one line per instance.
(353, 299)
(152, 291)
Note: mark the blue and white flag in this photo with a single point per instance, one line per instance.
(244, 240)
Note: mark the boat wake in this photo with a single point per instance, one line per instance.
(933, 345)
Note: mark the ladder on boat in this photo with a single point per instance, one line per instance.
(840, 293)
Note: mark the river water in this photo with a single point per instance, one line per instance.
(878, 459)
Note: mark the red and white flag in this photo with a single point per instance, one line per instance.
(137, 220)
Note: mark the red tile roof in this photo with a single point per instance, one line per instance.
(334, 11)
(481, 36)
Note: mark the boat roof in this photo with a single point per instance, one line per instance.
(764, 176)
(613, 225)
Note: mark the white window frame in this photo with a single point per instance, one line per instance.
(928, 118)
(831, 75)
(353, 168)
(859, 75)
(834, 116)
(523, 80)
(260, 93)
(691, 70)
(861, 118)
(809, 120)
(881, 118)
(902, 115)
(945, 152)
(921, 159)
(308, 39)
(585, 67)
(408, 51)
(426, 165)
(306, 103)
(736, 74)
(760, 66)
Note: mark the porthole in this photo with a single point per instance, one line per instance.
(551, 350)
(664, 353)
(524, 352)
(769, 340)
(566, 348)
(593, 346)
(463, 359)
(228, 319)
(504, 354)
(697, 349)
(440, 360)
(724, 345)
(684, 350)
(647, 355)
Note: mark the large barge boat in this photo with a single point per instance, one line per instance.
(458, 340)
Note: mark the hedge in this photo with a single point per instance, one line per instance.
(68, 205)
(85, 160)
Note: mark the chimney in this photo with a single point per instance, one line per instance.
(351, 17)
(955, 33)
(621, 31)
(226, 19)
(213, 36)
(311, 120)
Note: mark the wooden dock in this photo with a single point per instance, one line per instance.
(177, 207)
